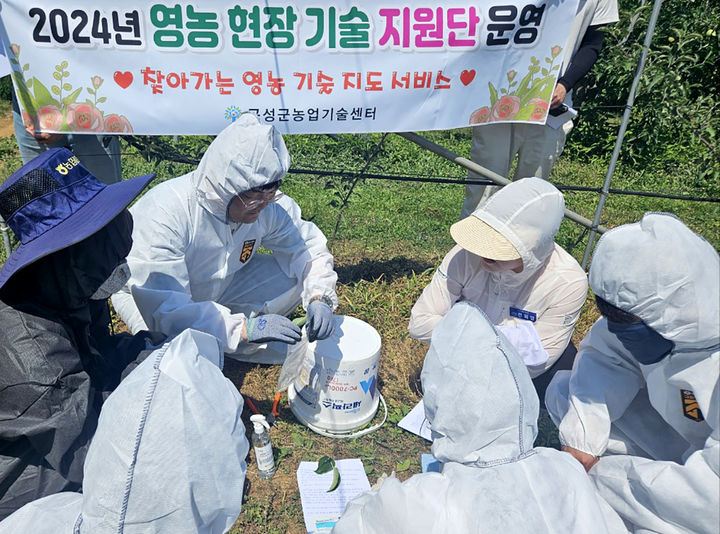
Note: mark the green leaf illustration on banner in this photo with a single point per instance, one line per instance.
(493, 94)
(62, 112)
(527, 100)
(42, 95)
(72, 97)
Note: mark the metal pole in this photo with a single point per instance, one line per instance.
(621, 132)
(472, 166)
(6, 239)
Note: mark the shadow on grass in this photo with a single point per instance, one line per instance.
(389, 269)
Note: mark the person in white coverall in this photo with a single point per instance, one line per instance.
(482, 410)
(168, 454)
(195, 261)
(643, 394)
(538, 146)
(507, 263)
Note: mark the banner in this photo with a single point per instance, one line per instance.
(306, 67)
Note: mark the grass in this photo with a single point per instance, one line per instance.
(390, 237)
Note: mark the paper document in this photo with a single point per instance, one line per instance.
(321, 509)
(557, 122)
(416, 423)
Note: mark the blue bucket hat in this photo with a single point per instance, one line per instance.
(54, 202)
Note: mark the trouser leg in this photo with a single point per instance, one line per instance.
(539, 148)
(100, 154)
(492, 148)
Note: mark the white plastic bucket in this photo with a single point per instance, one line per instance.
(336, 391)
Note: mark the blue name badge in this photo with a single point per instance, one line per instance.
(522, 314)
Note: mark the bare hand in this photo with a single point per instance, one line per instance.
(558, 96)
(587, 460)
(42, 137)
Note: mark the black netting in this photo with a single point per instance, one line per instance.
(34, 184)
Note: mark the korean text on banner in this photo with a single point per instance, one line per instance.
(306, 67)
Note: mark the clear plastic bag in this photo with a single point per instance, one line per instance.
(293, 362)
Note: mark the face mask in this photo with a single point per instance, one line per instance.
(115, 282)
(644, 343)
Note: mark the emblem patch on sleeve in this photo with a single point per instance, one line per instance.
(247, 250)
(691, 408)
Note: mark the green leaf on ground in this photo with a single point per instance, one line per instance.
(325, 464)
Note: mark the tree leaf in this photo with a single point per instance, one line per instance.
(57, 75)
(101, 99)
(55, 89)
(325, 464)
(403, 466)
(67, 86)
(335, 480)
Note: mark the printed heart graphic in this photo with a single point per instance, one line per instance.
(467, 76)
(124, 79)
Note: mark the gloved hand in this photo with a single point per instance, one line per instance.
(271, 327)
(320, 321)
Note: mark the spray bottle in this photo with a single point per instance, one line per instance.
(263, 447)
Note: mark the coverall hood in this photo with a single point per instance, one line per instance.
(528, 213)
(478, 395)
(661, 271)
(244, 155)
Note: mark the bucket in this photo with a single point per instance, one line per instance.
(336, 390)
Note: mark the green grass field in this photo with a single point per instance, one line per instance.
(390, 237)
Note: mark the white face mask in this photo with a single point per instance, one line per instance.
(115, 282)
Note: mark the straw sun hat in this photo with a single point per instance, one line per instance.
(479, 238)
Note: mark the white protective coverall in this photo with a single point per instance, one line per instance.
(552, 286)
(483, 410)
(168, 454)
(658, 423)
(193, 268)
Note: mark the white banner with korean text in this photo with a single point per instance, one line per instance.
(305, 66)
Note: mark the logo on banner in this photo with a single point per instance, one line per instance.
(247, 250)
(691, 408)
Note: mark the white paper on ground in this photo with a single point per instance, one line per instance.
(322, 508)
(416, 423)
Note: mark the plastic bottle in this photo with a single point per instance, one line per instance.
(262, 446)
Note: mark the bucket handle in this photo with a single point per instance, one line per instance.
(345, 434)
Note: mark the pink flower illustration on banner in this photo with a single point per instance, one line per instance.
(505, 109)
(96, 81)
(117, 124)
(15, 49)
(555, 50)
(511, 74)
(28, 121)
(84, 117)
(540, 109)
(50, 117)
(480, 116)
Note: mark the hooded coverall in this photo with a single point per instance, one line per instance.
(168, 455)
(482, 409)
(552, 286)
(193, 268)
(656, 427)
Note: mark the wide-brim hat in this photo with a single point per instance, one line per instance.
(478, 237)
(54, 202)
